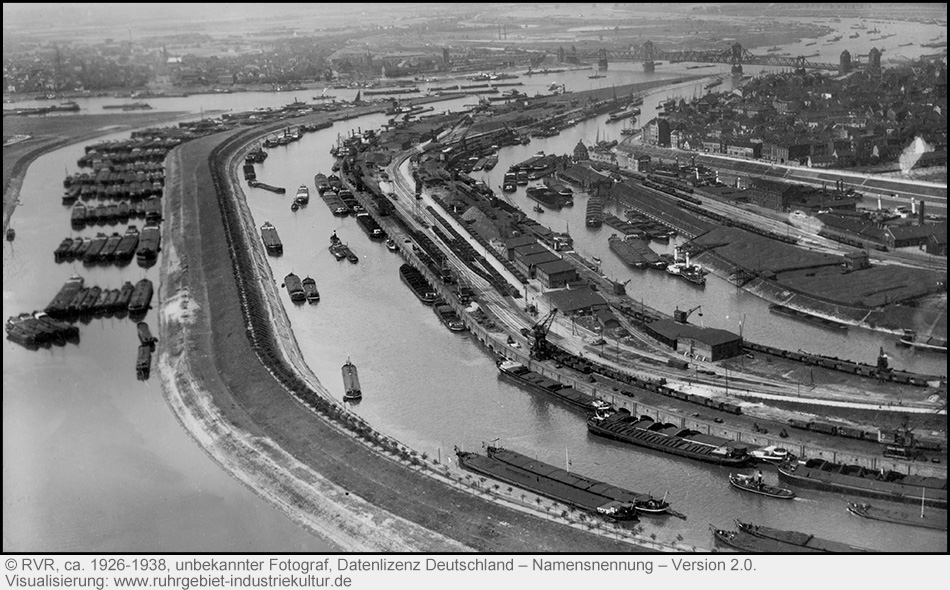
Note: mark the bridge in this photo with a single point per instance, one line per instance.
(736, 56)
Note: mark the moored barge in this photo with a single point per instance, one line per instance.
(60, 303)
(143, 362)
(145, 334)
(295, 288)
(141, 298)
(932, 519)
(271, 240)
(537, 382)
(748, 483)
(310, 290)
(751, 544)
(668, 438)
(644, 503)
(795, 538)
(149, 244)
(417, 282)
(547, 487)
(351, 383)
(854, 479)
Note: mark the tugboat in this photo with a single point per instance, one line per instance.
(11, 234)
(754, 484)
(337, 248)
(303, 195)
(351, 383)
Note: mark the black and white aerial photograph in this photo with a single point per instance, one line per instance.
(604, 278)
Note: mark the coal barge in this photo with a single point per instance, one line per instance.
(547, 487)
(141, 298)
(644, 503)
(854, 479)
(537, 382)
(418, 284)
(668, 438)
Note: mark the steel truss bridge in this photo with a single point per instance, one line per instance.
(734, 56)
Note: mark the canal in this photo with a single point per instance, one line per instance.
(94, 460)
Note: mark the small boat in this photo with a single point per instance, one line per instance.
(294, 206)
(539, 208)
(391, 245)
(351, 383)
(771, 454)
(11, 234)
(353, 258)
(750, 483)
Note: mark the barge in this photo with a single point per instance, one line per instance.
(351, 383)
(795, 538)
(60, 303)
(310, 290)
(143, 363)
(271, 240)
(295, 288)
(751, 544)
(145, 335)
(668, 438)
(932, 344)
(537, 382)
(936, 520)
(807, 317)
(127, 245)
(854, 479)
(141, 298)
(369, 225)
(548, 487)
(417, 282)
(643, 503)
(149, 244)
(320, 181)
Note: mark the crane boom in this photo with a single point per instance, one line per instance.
(540, 350)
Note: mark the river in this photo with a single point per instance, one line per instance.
(95, 461)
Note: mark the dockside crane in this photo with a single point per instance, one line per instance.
(540, 348)
(681, 316)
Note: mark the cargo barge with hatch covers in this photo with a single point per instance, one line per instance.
(537, 382)
(798, 539)
(418, 283)
(547, 487)
(751, 544)
(271, 240)
(854, 479)
(668, 438)
(295, 288)
(141, 298)
(351, 383)
(644, 503)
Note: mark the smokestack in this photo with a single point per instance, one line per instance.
(879, 204)
(920, 211)
(913, 206)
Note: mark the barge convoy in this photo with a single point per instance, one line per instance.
(854, 479)
(554, 487)
(668, 438)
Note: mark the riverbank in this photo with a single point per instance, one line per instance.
(319, 474)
